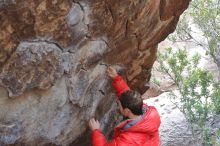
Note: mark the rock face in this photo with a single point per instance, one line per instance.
(53, 57)
(32, 65)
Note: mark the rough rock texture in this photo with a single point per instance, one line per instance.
(36, 64)
(53, 57)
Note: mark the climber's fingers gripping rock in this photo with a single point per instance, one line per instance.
(94, 124)
(111, 71)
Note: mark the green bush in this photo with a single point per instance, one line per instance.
(203, 19)
(199, 93)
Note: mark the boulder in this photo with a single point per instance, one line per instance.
(53, 58)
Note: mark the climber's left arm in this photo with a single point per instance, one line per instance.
(98, 139)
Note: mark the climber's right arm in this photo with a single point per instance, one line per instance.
(119, 85)
(118, 82)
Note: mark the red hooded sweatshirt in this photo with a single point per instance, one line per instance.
(143, 133)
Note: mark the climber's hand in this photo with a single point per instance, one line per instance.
(94, 124)
(112, 72)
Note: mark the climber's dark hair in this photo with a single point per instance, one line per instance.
(133, 101)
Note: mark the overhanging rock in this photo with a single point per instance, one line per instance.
(53, 57)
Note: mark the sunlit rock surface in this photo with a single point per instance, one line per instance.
(53, 57)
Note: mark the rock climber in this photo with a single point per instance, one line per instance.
(141, 127)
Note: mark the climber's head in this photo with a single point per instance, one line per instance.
(130, 103)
